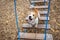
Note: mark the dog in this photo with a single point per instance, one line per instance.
(32, 20)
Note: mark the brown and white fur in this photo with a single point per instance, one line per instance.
(32, 19)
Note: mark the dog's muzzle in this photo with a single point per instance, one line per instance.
(30, 18)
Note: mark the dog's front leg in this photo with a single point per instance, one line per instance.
(36, 25)
(36, 22)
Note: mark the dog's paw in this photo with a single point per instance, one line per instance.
(36, 26)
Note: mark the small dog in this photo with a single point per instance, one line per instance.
(32, 20)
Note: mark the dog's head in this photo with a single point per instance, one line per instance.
(31, 16)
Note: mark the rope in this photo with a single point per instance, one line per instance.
(16, 16)
(46, 22)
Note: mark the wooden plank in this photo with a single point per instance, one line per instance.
(43, 18)
(38, 26)
(27, 35)
(43, 26)
(41, 36)
(26, 25)
(43, 12)
(46, 6)
(32, 1)
(35, 36)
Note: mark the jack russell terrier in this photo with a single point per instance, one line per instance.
(32, 20)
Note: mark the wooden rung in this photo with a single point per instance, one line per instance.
(43, 26)
(43, 12)
(32, 1)
(35, 36)
(41, 36)
(27, 35)
(26, 25)
(38, 6)
(43, 18)
(39, 26)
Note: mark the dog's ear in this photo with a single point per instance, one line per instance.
(36, 10)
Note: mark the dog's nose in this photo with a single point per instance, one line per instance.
(30, 18)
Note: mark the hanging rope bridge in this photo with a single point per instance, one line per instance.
(46, 22)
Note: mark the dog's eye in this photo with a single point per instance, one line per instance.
(33, 15)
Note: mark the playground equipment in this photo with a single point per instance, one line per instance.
(45, 35)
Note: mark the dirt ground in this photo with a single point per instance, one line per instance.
(8, 29)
